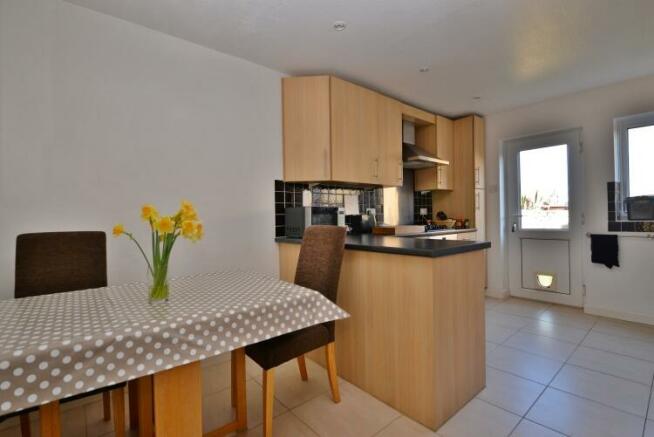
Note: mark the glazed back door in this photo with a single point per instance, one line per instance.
(544, 216)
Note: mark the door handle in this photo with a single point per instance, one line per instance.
(514, 227)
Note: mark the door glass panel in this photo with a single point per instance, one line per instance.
(544, 188)
(641, 156)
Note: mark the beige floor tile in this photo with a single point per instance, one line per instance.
(286, 424)
(95, 424)
(572, 415)
(649, 429)
(620, 345)
(357, 415)
(478, 419)
(557, 331)
(650, 412)
(618, 393)
(405, 427)
(547, 347)
(498, 334)
(568, 316)
(492, 302)
(490, 346)
(617, 365)
(527, 428)
(217, 377)
(621, 328)
(521, 307)
(510, 392)
(217, 407)
(291, 391)
(507, 320)
(530, 366)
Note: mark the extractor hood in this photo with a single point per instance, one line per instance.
(414, 157)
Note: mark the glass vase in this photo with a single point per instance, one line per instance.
(159, 287)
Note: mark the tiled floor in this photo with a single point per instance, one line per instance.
(551, 371)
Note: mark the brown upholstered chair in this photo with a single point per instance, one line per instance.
(53, 262)
(318, 268)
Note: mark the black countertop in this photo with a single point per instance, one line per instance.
(404, 245)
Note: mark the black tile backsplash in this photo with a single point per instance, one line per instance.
(614, 207)
(422, 199)
(290, 195)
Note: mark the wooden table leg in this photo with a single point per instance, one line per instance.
(50, 420)
(145, 407)
(178, 401)
(239, 398)
(132, 391)
(118, 405)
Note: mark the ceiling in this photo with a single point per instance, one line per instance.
(507, 52)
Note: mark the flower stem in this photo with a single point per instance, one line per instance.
(131, 237)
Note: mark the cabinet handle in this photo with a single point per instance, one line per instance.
(400, 171)
(375, 168)
(439, 172)
(476, 175)
(477, 199)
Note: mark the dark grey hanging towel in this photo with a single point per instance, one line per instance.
(604, 250)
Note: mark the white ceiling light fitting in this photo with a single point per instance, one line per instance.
(339, 26)
(423, 69)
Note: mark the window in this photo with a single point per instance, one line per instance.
(634, 155)
(543, 174)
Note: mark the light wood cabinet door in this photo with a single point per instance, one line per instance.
(354, 133)
(437, 139)
(460, 202)
(306, 124)
(479, 151)
(390, 141)
(445, 150)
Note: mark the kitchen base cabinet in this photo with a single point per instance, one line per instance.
(416, 335)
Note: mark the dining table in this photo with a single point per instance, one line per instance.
(60, 345)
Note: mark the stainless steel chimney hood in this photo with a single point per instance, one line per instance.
(414, 157)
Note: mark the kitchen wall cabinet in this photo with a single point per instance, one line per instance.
(467, 167)
(336, 131)
(437, 139)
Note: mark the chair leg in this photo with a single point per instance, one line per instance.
(233, 385)
(25, 429)
(132, 390)
(50, 420)
(118, 404)
(106, 406)
(302, 364)
(268, 400)
(330, 355)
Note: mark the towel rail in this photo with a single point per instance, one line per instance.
(648, 236)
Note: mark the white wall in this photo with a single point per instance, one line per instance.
(98, 116)
(627, 292)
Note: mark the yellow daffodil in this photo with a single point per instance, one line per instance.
(149, 212)
(199, 231)
(118, 230)
(187, 211)
(165, 225)
(188, 228)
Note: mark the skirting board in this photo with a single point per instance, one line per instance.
(497, 294)
(629, 317)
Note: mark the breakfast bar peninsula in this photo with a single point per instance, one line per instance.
(416, 335)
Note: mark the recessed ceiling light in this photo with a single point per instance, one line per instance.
(476, 98)
(423, 69)
(339, 26)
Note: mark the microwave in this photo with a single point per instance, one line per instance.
(299, 218)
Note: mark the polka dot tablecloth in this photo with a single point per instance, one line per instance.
(63, 344)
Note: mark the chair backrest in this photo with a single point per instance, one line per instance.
(52, 262)
(319, 265)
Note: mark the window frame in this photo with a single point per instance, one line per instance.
(621, 126)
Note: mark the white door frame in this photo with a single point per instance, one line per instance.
(575, 235)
